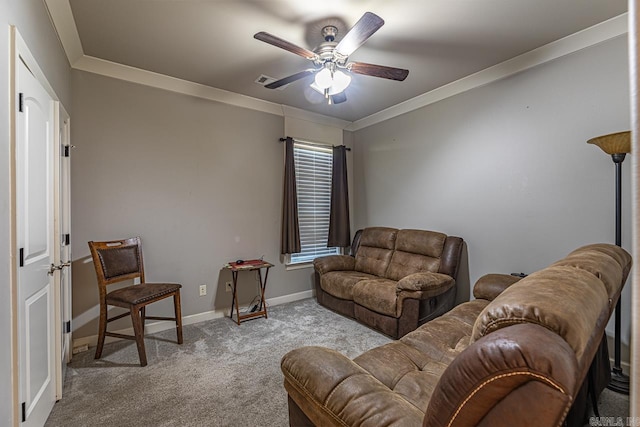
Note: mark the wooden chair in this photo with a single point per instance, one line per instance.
(119, 260)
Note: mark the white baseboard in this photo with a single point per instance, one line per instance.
(151, 328)
(290, 298)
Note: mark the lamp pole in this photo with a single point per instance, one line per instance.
(617, 145)
(619, 381)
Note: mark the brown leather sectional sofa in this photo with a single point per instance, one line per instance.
(520, 354)
(395, 281)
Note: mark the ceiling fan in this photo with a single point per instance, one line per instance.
(330, 59)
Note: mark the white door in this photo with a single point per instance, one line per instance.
(62, 242)
(34, 226)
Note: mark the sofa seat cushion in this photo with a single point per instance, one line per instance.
(336, 391)
(378, 295)
(412, 366)
(340, 283)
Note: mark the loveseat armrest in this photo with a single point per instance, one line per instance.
(490, 286)
(329, 263)
(428, 283)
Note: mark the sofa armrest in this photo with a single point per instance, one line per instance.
(509, 368)
(334, 263)
(490, 286)
(428, 283)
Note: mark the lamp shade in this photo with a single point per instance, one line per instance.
(324, 79)
(613, 143)
(337, 84)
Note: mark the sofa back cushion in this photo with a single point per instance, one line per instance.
(375, 250)
(415, 251)
(569, 301)
(603, 261)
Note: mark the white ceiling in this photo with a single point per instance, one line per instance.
(211, 42)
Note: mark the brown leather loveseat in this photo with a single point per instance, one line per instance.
(519, 354)
(395, 281)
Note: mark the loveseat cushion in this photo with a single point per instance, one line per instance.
(378, 295)
(340, 283)
(375, 250)
(415, 250)
(566, 300)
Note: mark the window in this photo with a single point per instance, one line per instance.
(313, 181)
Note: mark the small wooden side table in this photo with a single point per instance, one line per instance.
(249, 265)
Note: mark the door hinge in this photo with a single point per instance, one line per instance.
(66, 239)
(24, 411)
(21, 102)
(67, 326)
(66, 151)
(21, 257)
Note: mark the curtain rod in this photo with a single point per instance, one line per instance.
(311, 143)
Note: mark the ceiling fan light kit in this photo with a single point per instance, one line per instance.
(331, 67)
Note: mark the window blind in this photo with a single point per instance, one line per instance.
(313, 180)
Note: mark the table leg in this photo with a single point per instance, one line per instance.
(263, 287)
(234, 298)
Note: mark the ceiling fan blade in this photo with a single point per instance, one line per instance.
(338, 98)
(378, 71)
(283, 44)
(359, 33)
(292, 78)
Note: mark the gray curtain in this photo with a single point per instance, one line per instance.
(290, 237)
(339, 230)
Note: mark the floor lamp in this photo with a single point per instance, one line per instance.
(617, 145)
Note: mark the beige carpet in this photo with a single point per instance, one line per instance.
(223, 374)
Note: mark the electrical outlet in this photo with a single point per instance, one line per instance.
(203, 290)
(228, 287)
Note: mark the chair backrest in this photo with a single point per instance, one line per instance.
(117, 260)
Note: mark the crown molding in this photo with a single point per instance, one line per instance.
(160, 81)
(62, 18)
(64, 24)
(591, 36)
(172, 84)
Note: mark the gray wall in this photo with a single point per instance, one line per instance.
(199, 181)
(506, 166)
(32, 21)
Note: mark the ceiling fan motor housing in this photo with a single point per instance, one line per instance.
(329, 33)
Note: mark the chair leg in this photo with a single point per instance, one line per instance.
(138, 329)
(102, 329)
(178, 314)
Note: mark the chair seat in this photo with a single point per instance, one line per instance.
(139, 294)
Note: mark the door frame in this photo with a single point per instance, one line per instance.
(61, 226)
(20, 52)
